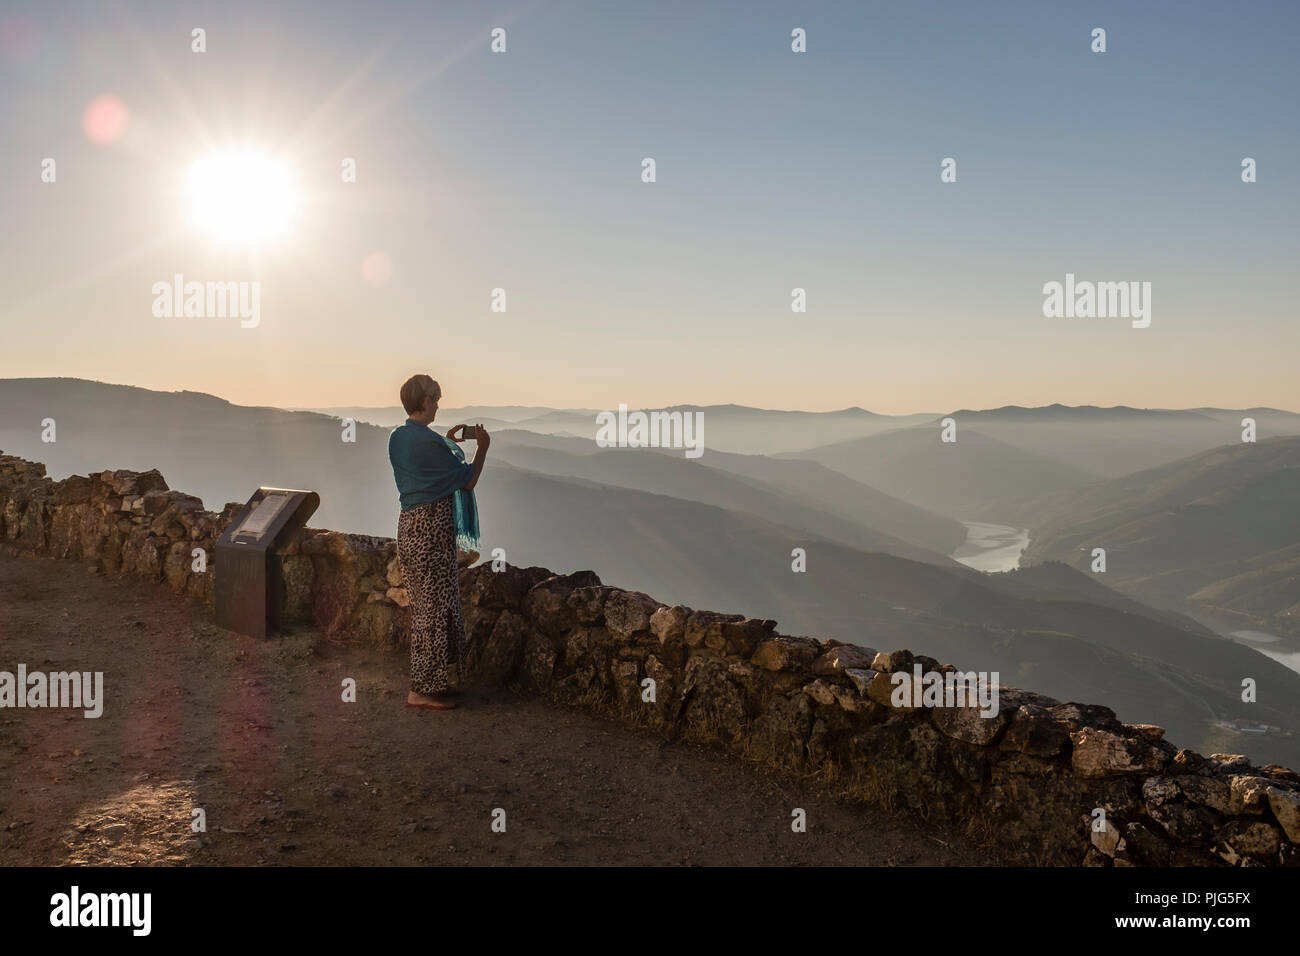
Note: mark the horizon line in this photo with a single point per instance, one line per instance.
(805, 411)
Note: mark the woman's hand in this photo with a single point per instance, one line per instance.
(451, 433)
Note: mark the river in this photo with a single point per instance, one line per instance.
(991, 547)
(997, 547)
(1260, 641)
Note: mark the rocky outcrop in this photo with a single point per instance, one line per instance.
(1040, 782)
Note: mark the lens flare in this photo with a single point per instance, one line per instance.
(104, 119)
(376, 268)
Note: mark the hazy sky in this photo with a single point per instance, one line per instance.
(522, 171)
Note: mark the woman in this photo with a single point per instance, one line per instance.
(435, 485)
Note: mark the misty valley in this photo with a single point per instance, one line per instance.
(975, 552)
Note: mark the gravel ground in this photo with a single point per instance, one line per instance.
(257, 736)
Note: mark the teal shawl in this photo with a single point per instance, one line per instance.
(464, 507)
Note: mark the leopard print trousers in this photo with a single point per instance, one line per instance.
(426, 549)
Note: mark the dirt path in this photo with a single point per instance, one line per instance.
(255, 734)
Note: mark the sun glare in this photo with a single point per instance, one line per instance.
(241, 195)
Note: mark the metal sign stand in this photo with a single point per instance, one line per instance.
(249, 590)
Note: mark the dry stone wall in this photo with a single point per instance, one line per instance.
(1027, 783)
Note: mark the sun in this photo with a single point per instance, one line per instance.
(243, 195)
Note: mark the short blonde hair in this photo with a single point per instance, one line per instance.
(414, 391)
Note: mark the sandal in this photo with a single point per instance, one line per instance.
(435, 705)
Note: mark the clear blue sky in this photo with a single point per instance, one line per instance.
(775, 170)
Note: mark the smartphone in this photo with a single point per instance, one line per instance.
(466, 432)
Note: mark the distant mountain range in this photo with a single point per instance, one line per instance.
(1076, 414)
(877, 514)
(1097, 442)
(734, 428)
(1118, 441)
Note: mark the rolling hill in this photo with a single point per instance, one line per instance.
(1113, 442)
(975, 477)
(1218, 533)
(800, 494)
